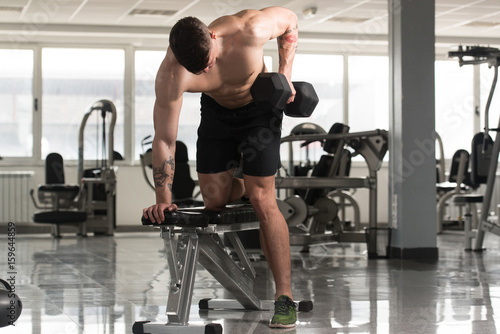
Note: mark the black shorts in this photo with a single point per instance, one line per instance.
(228, 136)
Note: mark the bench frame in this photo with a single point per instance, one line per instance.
(188, 245)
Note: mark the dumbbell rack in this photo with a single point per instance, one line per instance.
(491, 56)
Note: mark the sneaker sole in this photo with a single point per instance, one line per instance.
(281, 326)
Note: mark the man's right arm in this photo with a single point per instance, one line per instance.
(281, 23)
(165, 120)
(166, 113)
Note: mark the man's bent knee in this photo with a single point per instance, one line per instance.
(216, 189)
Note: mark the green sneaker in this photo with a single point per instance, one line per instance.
(285, 313)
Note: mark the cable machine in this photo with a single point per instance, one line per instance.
(99, 183)
(489, 153)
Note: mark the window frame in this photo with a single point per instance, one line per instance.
(36, 120)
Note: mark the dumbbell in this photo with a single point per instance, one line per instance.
(271, 91)
(10, 305)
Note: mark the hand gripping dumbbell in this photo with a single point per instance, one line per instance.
(271, 91)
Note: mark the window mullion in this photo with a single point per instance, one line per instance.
(37, 104)
(345, 90)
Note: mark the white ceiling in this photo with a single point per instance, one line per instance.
(457, 21)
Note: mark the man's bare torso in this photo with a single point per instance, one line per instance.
(239, 61)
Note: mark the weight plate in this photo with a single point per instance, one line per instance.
(300, 211)
(327, 210)
(286, 210)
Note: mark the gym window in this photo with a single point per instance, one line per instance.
(368, 82)
(454, 105)
(352, 89)
(325, 73)
(146, 66)
(72, 80)
(16, 99)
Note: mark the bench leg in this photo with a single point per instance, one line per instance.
(182, 251)
(238, 281)
(182, 255)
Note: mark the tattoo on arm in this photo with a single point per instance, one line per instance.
(161, 176)
(289, 37)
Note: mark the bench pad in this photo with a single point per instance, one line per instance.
(60, 217)
(199, 217)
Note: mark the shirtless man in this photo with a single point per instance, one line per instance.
(222, 61)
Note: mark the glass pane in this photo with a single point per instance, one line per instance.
(16, 99)
(324, 72)
(368, 93)
(73, 80)
(454, 106)
(268, 61)
(146, 67)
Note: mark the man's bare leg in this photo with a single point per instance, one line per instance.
(273, 229)
(221, 188)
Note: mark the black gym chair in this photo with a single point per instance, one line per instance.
(458, 182)
(304, 168)
(335, 163)
(58, 202)
(481, 153)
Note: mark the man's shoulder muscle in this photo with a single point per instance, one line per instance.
(246, 24)
(172, 76)
(172, 80)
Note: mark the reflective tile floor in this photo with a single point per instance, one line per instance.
(106, 284)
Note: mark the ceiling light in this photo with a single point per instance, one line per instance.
(482, 24)
(17, 9)
(152, 12)
(345, 19)
(309, 12)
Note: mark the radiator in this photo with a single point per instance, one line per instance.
(15, 201)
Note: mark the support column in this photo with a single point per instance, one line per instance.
(412, 165)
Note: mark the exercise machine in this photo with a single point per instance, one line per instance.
(313, 219)
(486, 151)
(458, 182)
(192, 236)
(99, 183)
(90, 203)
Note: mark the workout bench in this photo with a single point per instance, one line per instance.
(192, 235)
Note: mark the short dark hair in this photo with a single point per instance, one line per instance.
(190, 42)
